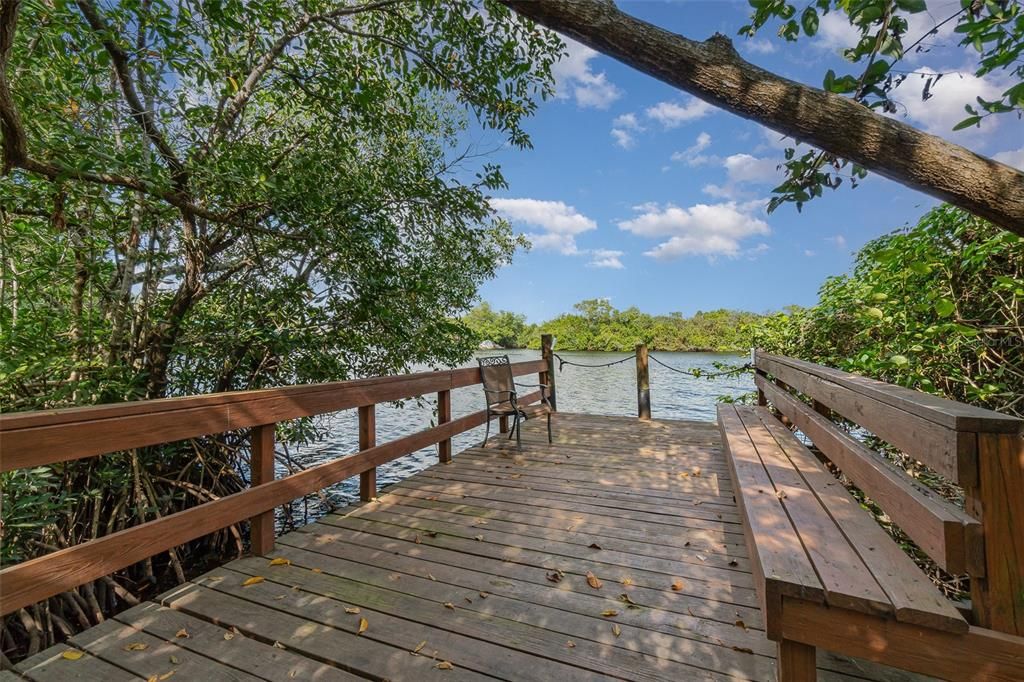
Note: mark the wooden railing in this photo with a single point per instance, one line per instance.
(46, 437)
(981, 450)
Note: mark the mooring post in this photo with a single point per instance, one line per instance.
(367, 440)
(548, 377)
(261, 466)
(643, 383)
(444, 415)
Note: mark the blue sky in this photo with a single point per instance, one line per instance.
(641, 194)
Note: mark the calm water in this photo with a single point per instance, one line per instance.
(608, 390)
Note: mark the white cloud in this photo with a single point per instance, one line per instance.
(704, 229)
(838, 239)
(673, 114)
(628, 121)
(809, 253)
(575, 78)
(560, 222)
(623, 138)
(692, 156)
(1013, 157)
(759, 45)
(945, 108)
(606, 258)
(836, 32)
(747, 168)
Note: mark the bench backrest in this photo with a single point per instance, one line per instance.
(980, 450)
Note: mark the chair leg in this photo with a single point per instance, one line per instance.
(512, 431)
(487, 431)
(519, 433)
(549, 428)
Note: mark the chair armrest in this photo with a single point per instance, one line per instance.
(533, 385)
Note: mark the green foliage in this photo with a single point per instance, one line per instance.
(938, 307)
(598, 326)
(993, 29)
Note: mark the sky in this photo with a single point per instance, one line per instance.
(641, 194)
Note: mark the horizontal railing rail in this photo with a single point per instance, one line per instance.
(46, 437)
(981, 450)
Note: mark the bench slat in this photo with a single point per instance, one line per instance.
(847, 581)
(946, 533)
(912, 594)
(776, 554)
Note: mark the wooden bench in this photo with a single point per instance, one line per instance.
(828, 575)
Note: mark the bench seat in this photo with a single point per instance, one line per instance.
(808, 537)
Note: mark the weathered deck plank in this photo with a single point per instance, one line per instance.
(463, 558)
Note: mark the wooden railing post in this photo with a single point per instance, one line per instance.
(547, 352)
(643, 383)
(997, 599)
(261, 464)
(444, 415)
(367, 439)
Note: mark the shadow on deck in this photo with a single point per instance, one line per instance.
(482, 568)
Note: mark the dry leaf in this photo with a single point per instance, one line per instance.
(152, 678)
(478, 537)
(571, 644)
(626, 580)
(594, 545)
(781, 494)
(280, 597)
(625, 599)
(432, 498)
(468, 600)
(278, 645)
(182, 634)
(677, 586)
(444, 665)
(609, 613)
(593, 581)
(516, 476)
(740, 624)
(684, 474)
(419, 648)
(696, 471)
(555, 576)
(317, 570)
(417, 540)
(483, 595)
(431, 577)
(351, 609)
(166, 675)
(72, 655)
(135, 646)
(615, 629)
(255, 580)
(280, 561)
(174, 660)
(449, 605)
(363, 624)
(702, 557)
(229, 635)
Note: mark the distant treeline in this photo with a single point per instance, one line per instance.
(598, 326)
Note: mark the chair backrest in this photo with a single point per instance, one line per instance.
(496, 376)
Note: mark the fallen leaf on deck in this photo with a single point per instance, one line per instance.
(615, 629)
(182, 634)
(255, 580)
(625, 599)
(417, 540)
(781, 494)
(449, 605)
(555, 576)
(743, 649)
(280, 561)
(280, 597)
(696, 471)
(431, 577)
(229, 635)
(478, 538)
(419, 648)
(677, 586)
(444, 665)
(431, 533)
(72, 655)
(740, 624)
(363, 625)
(317, 570)
(593, 581)
(609, 613)
(594, 545)
(684, 474)
(468, 600)
(483, 595)
(571, 644)
(278, 645)
(135, 646)
(166, 675)
(516, 476)
(433, 498)
(174, 660)
(702, 557)
(351, 609)
(626, 580)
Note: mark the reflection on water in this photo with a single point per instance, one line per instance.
(608, 390)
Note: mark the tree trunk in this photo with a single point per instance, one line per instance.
(713, 71)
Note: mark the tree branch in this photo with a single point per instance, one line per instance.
(714, 72)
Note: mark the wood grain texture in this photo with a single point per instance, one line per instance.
(444, 415)
(946, 533)
(643, 383)
(44, 437)
(367, 440)
(261, 526)
(797, 662)
(947, 451)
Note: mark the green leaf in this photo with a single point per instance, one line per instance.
(809, 21)
(899, 360)
(967, 122)
(944, 307)
(875, 313)
(912, 6)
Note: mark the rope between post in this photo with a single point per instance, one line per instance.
(562, 362)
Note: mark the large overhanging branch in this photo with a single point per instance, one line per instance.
(713, 71)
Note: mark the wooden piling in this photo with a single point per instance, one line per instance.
(643, 383)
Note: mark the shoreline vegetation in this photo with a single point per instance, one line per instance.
(596, 325)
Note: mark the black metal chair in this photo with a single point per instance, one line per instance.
(500, 395)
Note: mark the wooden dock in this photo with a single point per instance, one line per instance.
(617, 553)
